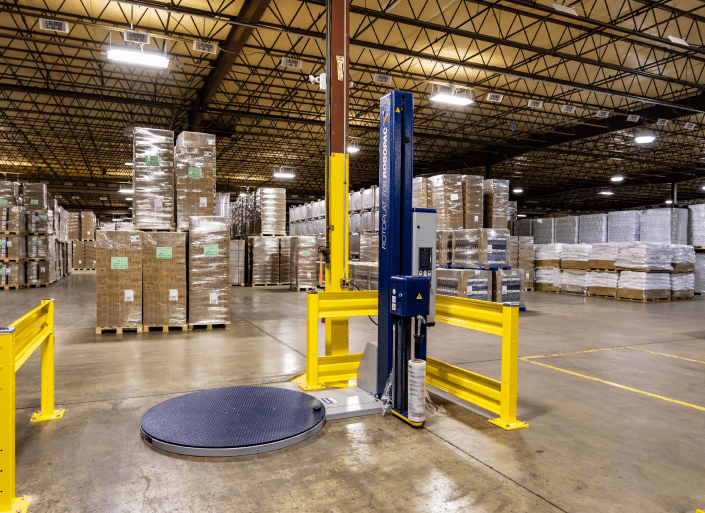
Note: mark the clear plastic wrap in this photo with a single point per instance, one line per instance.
(209, 270)
(13, 247)
(361, 275)
(513, 206)
(237, 262)
(90, 254)
(683, 258)
(447, 193)
(73, 223)
(682, 285)
(603, 256)
(507, 286)
(369, 247)
(574, 281)
(700, 273)
(106, 225)
(34, 196)
(419, 192)
(46, 271)
(473, 201)
(78, 254)
(623, 226)
(449, 282)
(368, 198)
(13, 219)
(652, 256)
(522, 228)
(548, 255)
(356, 201)
(374, 275)
(270, 211)
(496, 203)
(125, 226)
(88, 222)
(664, 225)
(593, 229)
(444, 248)
(696, 225)
(543, 230)
(513, 251)
(284, 260)
(493, 246)
(302, 253)
(38, 246)
(153, 179)
(222, 205)
(476, 284)
(40, 221)
(62, 232)
(575, 256)
(165, 286)
(641, 285)
(602, 283)
(566, 229)
(547, 278)
(119, 279)
(9, 194)
(194, 170)
(13, 273)
(527, 258)
(465, 246)
(368, 222)
(264, 261)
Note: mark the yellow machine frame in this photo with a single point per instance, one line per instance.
(17, 343)
(499, 397)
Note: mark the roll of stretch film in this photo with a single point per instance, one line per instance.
(417, 390)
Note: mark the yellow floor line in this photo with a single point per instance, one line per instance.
(574, 352)
(701, 408)
(664, 354)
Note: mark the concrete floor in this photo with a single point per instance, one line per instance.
(591, 447)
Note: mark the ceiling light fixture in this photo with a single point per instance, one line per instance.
(518, 190)
(353, 147)
(617, 178)
(128, 199)
(450, 94)
(129, 163)
(644, 137)
(521, 215)
(668, 202)
(607, 193)
(282, 172)
(140, 58)
(126, 191)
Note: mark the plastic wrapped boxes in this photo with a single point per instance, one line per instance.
(194, 169)
(665, 225)
(73, 221)
(507, 287)
(303, 262)
(119, 279)
(543, 230)
(90, 254)
(496, 207)
(12, 274)
(447, 193)
(566, 230)
(603, 256)
(369, 248)
(209, 270)
(522, 228)
(264, 260)
(284, 260)
(575, 256)
(683, 258)
(527, 258)
(682, 285)
(548, 255)
(602, 283)
(270, 211)
(493, 246)
(153, 179)
(444, 248)
(41, 273)
(38, 246)
(9, 194)
(592, 229)
(696, 225)
(237, 262)
(78, 254)
(473, 201)
(419, 192)
(641, 285)
(40, 221)
(651, 256)
(623, 226)
(467, 283)
(574, 281)
(465, 248)
(34, 196)
(88, 223)
(13, 247)
(164, 279)
(12, 219)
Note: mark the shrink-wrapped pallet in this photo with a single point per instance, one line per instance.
(683, 258)
(465, 245)
(574, 281)
(237, 262)
(602, 283)
(368, 199)
(496, 203)
(507, 286)
(548, 279)
(9, 194)
(284, 260)
(374, 276)
(543, 230)
(303, 262)
(125, 226)
(368, 222)
(264, 253)
(652, 256)
(38, 246)
(356, 201)
(369, 247)
(682, 285)
(419, 192)
(62, 232)
(575, 256)
(13, 219)
(603, 256)
(623, 226)
(548, 255)
(700, 273)
(90, 254)
(119, 279)
(522, 228)
(153, 179)
(222, 205)
(593, 229)
(13, 247)
(492, 249)
(107, 225)
(194, 169)
(641, 285)
(13, 274)
(444, 248)
(41, 273)
(447, 193)
(361, 275)
(664, 225)
(696, 225)
(34, 196)
(88, 222)
(270, 210)
(473, 201)
(476, 284)
(165, 284)
(513, 206)
(40, 221)
(513, 251)
(566, 229)
(527, 258)
(74, 225)
(209, 270)
(78, 254)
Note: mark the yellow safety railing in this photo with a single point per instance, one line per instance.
(17, 343)
(499, 397)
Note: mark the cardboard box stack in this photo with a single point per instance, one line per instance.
(602, 283)
(507, 287)
(9, 194)
(467, 283)
(444, 248)
(419, 192)
(13, 247)
(526, 263)
(153, 179)
(88, 222)
(303, 262)
(683, 258)
(465, 249)
(209, 270)
(492, 249)
(496, 203)
(73, 226)
(575, 256)
(548, 255)
(270, 209)
(194, 169)
(682, 285)
(237, 262)
(641, 285)
(447, 193)
(522, 228)
(12, 219)
(119, 279)
(603, 256)
(264, 260)
(369, 247)
(164, 282)
(40, 221)
(38, 246)
(574, 281)
(651, 256)
(548, 279)
(513, 251)
(12, 274)
(90, 255)
(360, 275)
(79, 254)
(41, 273)
(473, 201)
(34, 196)
(284, 260)
(696, 225)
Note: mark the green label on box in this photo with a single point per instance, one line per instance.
(3, 242)
(33, 243)
(211, 250)
(3, 202)
(152, 161)
(195, 172)
(34, 202)
(306, 252)
(43, 218)
(2, 271)
(164, 253)
(118, 262)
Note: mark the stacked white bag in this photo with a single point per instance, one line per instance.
(603, 284)
(575, 256)
(683, 259)
(652, 256)
(603, 256)
(574, 281)
(682, 285)
(548, 252)
(641, 285)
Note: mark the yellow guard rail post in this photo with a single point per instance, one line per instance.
(17, 343)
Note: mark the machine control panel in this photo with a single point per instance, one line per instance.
(424, 252)
(410, 295)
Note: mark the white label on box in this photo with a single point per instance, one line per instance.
(308, 275)
(454, 197)
(203, 202)
(527, 276)
(7, 270)
(9, 243)
(489, 248)
(134, 238)
(207, 153)
(477, 219)
(158, 204)
(469, 289)
(214, 298)
(42, 270)
(39, 243)
(129, 295)
(504, 289)
(211, 142)
(173, 294)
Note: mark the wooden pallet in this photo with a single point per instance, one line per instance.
(594, 269)
(267, 235)
(699, 293)
(12, 259)
(699, 248)
(644, 300)
(87, 240)
(265, 284)
(84, 268)
(164, 327)
(529, 289)
(12, 287)
(681, 298)
(155, 230)
(118, 329)
(37, 259)
(237, 284)
(299, 289)
(601, 295)
(5, 232)
(38, 234)
(644, 270)
(38, 285)
(219, 325)
(285, 283)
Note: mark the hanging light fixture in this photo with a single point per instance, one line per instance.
(353, 147)
(286, 173)
(138, 58)
(449, 94)
(617, 178)
(606, 193)
(644, 137)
